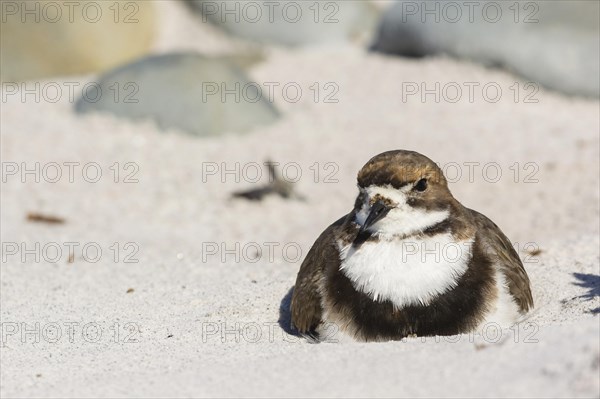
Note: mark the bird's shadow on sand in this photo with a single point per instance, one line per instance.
(591, 282)
(285, 315)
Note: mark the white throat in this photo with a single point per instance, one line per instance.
(403, 220)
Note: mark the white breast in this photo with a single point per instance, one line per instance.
(406, 272)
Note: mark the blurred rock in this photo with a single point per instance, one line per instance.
(555, 43)
(291, 23)
(203, 96)
(41, 39)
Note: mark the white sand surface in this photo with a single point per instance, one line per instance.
(177, 329)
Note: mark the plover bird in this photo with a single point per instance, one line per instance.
(409, 260)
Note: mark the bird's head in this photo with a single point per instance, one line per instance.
(401, 193)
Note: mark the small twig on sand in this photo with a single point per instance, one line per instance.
(276, 185)
(38, 217)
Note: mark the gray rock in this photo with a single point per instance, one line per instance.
(554, 43)
(42, 39)
(290, 23)
(200, 95)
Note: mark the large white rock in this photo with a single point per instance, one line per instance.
(200, 95)
(555, 43)
(42, 39)
(291, 23)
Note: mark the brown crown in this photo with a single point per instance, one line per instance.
(399, 168)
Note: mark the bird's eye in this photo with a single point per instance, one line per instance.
(421, 185)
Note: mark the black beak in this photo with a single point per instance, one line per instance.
(378, 212)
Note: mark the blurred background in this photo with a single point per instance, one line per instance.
(167, 164)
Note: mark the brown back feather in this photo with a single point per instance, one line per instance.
(306, 299)
(506, 258)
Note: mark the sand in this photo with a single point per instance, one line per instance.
(197, 314)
